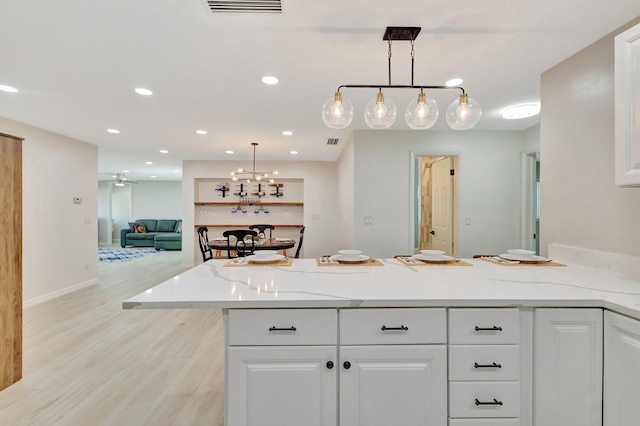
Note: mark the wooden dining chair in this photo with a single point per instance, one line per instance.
(240, 247)
(261, 229)
(203, 241)
(300, 243)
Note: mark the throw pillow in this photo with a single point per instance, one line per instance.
(140, 229)
(132, 227)
(178, 229)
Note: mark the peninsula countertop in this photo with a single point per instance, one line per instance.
(305, 284)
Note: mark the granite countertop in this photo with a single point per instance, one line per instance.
(305, 284)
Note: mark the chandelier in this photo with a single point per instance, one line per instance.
(253, 175)
(421, 113)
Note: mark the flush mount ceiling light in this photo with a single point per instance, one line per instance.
(421, 113)
(8, 89)
(253, 175)
(516, 112)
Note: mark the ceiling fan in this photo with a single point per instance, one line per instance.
(121, 180)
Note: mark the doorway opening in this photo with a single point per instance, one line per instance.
(436, 206)
(530, 202)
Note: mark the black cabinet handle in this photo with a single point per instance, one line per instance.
(346, 365)
(494, 328)
(401, 328)
(329, 365)
(492, 365)
(292, 328)
(494, 402)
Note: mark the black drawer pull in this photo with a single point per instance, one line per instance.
(292, 328)
(401, 328)
(494, 402)
(346, 365)
(494, 328)
(492, 365)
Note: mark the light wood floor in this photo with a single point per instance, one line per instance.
(89, 362)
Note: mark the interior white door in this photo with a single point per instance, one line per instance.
(281, 385)
(393, 385)
(442, 206)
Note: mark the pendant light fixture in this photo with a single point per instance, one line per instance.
(253, 175)
(421, 113)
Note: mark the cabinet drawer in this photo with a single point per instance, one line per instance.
(484, 326)
(467, 398)
(258, 327)
(484, 362)
(393, 326)
(484, 422)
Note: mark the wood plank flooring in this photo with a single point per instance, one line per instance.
(89, 362)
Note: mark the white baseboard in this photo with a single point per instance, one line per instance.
(627, 266)
(55, 294)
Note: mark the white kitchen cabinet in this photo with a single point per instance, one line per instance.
(393, 385)
(568, 367)
(621, 370)
(627, 96)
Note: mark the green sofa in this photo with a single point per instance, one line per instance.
(159, 233)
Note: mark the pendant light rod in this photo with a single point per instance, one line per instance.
(396, 86)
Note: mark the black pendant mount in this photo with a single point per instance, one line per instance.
(401, 33)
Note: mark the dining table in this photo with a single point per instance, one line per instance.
(278, 244)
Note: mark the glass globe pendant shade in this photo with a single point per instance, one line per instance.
(464, 113)
(380, 112)
(422, 113)
(337, 112)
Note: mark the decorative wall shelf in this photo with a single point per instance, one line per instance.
(243, 225)
(235, 203)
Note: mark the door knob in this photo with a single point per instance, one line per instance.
(433, 232)
(329, 365)
(346, 365)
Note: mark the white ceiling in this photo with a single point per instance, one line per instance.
(76, 64)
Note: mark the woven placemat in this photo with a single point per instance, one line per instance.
(405, 261)
(287, 261)
(516, 263)
(370, 262)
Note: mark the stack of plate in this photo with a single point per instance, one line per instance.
(350, 256)
(524, 256)
(265, 256)
(433, 256)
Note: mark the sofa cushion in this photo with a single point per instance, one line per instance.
(166, 225)
(150, 224)
(135, 236)
(151, 235)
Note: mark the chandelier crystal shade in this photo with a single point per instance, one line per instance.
(421, 113)
(253, 175)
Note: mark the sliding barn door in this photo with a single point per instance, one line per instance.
(10, 260)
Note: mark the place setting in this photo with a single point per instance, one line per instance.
(262, 258)
(430, 258)
(520, 257)
(348, 258)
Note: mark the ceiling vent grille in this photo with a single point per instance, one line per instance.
(332, 141)
(244, 6)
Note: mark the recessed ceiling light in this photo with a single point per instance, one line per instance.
(126, 171)
(228, 151)
(152, 177)
(143, 91)
(521, 111)
(148, 162)
(201, 132)
(454, 82)
(8, 89)
(176, 171)
(164, 151)
(287, 132)
(114, 131)
(269, 79)
(293, 152)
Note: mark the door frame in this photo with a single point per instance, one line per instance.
(456, 199)
(528, 200)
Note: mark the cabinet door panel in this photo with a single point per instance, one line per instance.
(621, 370)
(393, 385)
(568, 367)
(284, 386)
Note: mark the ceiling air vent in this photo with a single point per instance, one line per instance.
(332, 141)
(244, 6)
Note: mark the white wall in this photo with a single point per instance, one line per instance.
(60, 238)
(156, 200)
(346, 181)
(321, 210)
(580, 204)
(489, 184)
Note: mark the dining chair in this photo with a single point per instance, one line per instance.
(240, 247)
(300, 243)
(261, 229)
(203, 241)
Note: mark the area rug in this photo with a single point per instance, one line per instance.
(123, 255)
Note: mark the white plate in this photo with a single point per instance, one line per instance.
(265, 259)
(433, 259)
(355, 259)
(525, 259)
(520, 252)
(220, 239)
